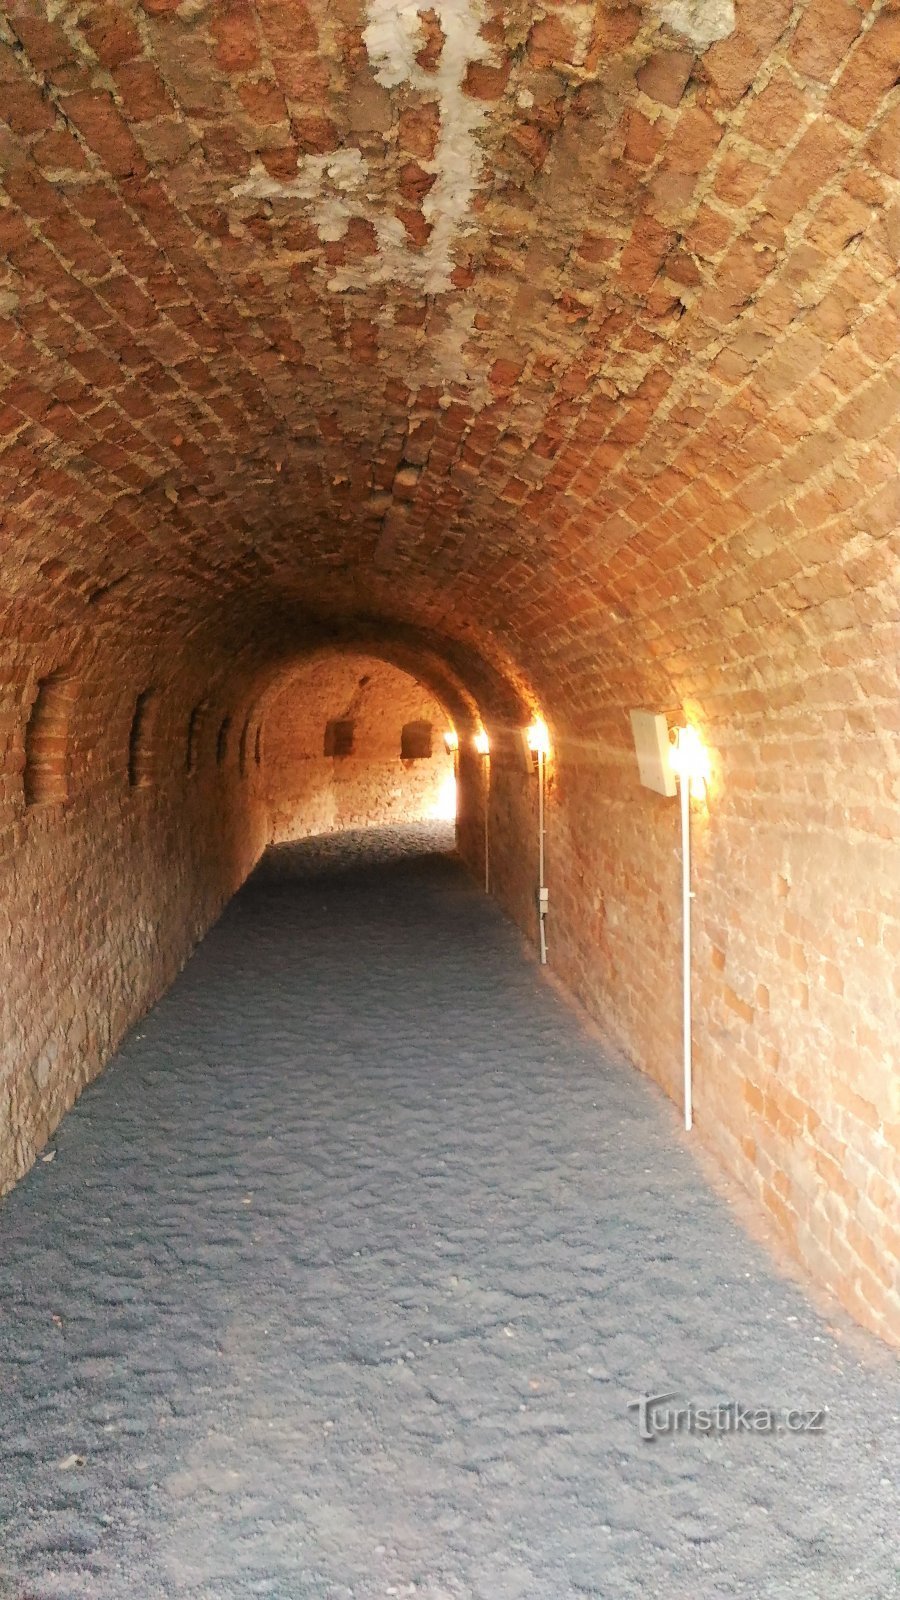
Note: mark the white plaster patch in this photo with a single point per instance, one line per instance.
(702, 22)
(331, 183)
(447, 352)
(334, 185)
(393, 37)
(580, 19)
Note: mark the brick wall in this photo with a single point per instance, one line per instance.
(504, 782)
(796, 939)
(107, 879)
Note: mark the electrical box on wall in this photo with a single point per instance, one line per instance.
(651, 742)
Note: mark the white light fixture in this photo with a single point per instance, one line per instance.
(666, 761)
(690, 764)
(538, 738)
(483, 746)
(689, 760)
(650, 732)
(538, 741)
(451, 741)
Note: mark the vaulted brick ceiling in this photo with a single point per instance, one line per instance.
(561, 330)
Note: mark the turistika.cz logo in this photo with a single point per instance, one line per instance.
(664, 1413)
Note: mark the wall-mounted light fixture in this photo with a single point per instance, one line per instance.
(690, 764)
(650, 732)
(538, 738)
(538, 741)
(451, 741)
(667, 760)
(483, 746)
(690, 760)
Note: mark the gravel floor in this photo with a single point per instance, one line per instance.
(346, 1271)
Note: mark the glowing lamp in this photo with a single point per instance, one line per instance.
(538, 738)
(482, 743)
(451, 741)
(689, 760)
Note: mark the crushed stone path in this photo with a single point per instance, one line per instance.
(346, 1271)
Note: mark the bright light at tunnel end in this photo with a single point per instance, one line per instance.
(444, 808)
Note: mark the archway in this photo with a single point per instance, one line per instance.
(348, 740)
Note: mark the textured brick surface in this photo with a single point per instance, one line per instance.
(552, 356)
(367, 1246)
(104, 894)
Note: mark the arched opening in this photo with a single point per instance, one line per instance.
(338, 737)
(45, 776)
(140, 740)
(194, 736)
(222, 738)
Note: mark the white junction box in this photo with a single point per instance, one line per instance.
(651, 742)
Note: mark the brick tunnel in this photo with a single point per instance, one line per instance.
(380, 384)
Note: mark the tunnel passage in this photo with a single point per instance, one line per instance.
(553, 359)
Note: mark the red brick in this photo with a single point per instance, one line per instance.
(263, 101)
(237, 45)
(143, 92)
(429, 55)
(550, 41)
(23, 108)
(419, 128)
(644, 253)
(825, 32)
(808, 168)
(884, 145)
(484, 82)
(869, 74)
(111, 35)
(776, 114)
(98, 121)
(664, 76)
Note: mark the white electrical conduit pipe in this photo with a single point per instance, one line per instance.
(684, 785)
(542, 888)
(487, 826)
